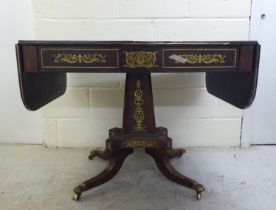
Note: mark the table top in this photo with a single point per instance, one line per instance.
(231, 67)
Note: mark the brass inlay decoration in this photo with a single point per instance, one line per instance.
(141, 59)
(216, 59)
(139, 144)
(139, 112)
(108, 146)
(79, 58)
(202, 58)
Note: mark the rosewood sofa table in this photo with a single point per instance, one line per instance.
(231, 75)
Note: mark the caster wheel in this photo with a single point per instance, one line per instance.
(76, 197)
(198, 196)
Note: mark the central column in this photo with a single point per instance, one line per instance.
(138, 115)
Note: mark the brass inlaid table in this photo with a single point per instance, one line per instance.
(231, 75)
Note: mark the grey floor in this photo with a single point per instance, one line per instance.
(34, 177)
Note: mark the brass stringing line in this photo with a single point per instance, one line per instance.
(139, 112)
(141, 59)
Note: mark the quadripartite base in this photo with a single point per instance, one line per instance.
(119, 145)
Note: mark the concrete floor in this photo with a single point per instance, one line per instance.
(38, 178)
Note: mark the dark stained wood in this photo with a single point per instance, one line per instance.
(138, 132)
(140, 57)
(115, 163)
(231, 75)
(39, 89)
(246, 58)
(164, 165)
(30, 58)
(104, 155)
(173, 153)
(225, 64)
(138, 85)
(120, 139)
(237, 88)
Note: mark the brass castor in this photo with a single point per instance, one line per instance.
(77, 192)
(199, 189)
(198, 195)
(76, 196)
(93, 154)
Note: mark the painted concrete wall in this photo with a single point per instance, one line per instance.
(17, 125)
(259, 125)
(93, 102)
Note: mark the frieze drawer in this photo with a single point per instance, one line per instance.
(199, 58)
(78, 58)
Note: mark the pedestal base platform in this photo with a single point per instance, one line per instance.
(120, 145)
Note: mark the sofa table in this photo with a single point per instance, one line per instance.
(231, 75)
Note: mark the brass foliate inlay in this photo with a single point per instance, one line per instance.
(140, 59)
(201, 58)
(139, 144)
(139, 115)
(71, 58)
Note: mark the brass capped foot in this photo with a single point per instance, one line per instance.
(77, 193)
(100, 154)
(199, 189)
(175, 153)
(198, 196)
(93, 154)
(76, 197)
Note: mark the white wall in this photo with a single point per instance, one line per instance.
(17, 125)
(259, 125)
(93, 103)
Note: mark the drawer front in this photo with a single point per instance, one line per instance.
(200, 58)
(78, 58)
